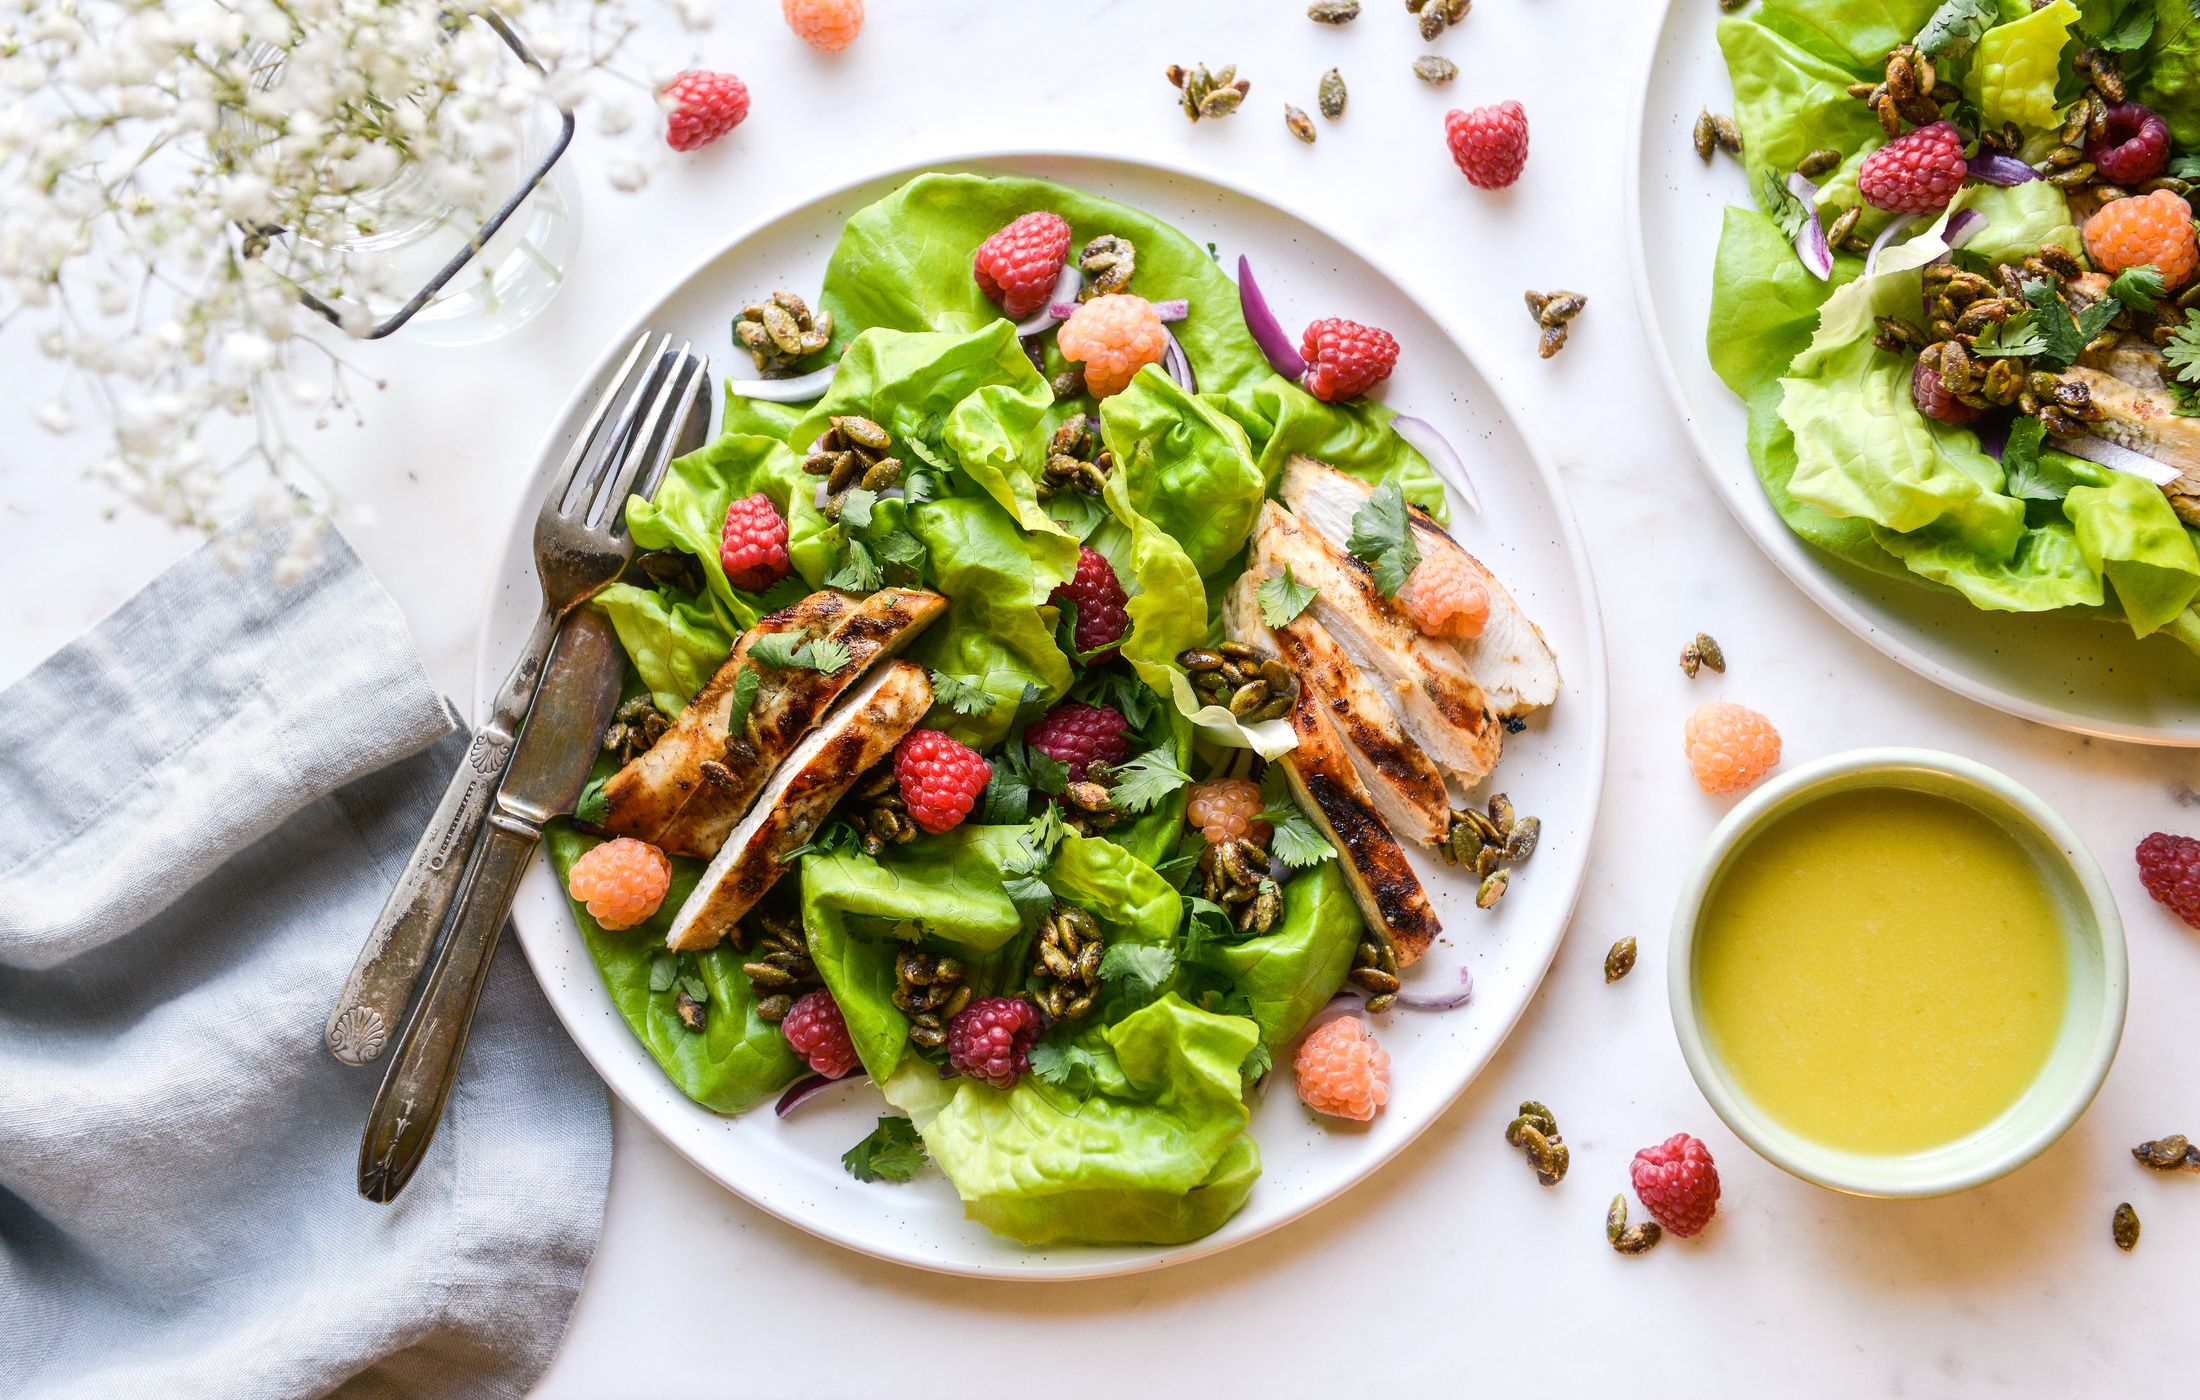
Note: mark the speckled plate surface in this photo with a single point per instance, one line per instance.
(1526, 533)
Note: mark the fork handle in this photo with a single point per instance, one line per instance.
(418, 1085)
(372, 1002)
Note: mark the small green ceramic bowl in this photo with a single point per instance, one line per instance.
(2092, 1023)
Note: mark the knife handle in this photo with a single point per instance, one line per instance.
(372, 1003)
(418, 1085)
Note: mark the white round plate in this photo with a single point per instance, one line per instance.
(2084, 674)
(791, 1167)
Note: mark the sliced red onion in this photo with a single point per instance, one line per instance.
(1443, 1003)
(1065, 290)
(1178, 364)
(1965, 226)
(1996, 168)
(1422, 436)
(2117, 457)
(800, 389)
(1168, 311)
(802, 1091)
(1268, 332)
(1887, 235)
(1810, 239)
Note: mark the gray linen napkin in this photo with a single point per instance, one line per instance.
(207, 798)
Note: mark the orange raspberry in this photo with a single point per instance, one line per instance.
(825, 25)
(622, 882)
(1342, 1071)
(1730, 746)
(1224, 809)
(2144, 228)
(1444, 598)
(1116, 336)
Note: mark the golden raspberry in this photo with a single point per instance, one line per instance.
(1342, 1071)
(622, 882)
(1444, 598)
(1116, 336)
(1224, 809)
(1730, 746)
(2144, 229)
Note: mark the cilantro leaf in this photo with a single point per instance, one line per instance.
(1297, 842)
(593, 808)
(2014, 336)
(664, 969)
(2029, 476)
(1023, 874)
(2187, 166)
(1007, 797)
(857, 571)
(2138, 287)
(2182, 351)
(697, 989)
(1065, 1064)
(1137, 785)
(898, 546)
(1077, 513)
(2064, 339)
(855, 507)
(963, 697)
(1131, 697)
(1956, 26)
(745, 687)
(1140, 969)
(1258, 1061)
(1283, 598)
(783, 594)
(1049, 774)
(1205, 922)
(1382, 536)
(836, 835)
(1782, 207)
(892, 1152)
(782, 650)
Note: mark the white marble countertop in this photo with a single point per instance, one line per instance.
(1450, 1264)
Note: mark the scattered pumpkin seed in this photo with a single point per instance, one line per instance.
(1704, 651)
(1204, 94)
(880, 815)
(1301, 125)
(1629, 1239)
(1726, 133)
(1492, 888)
(1730, 6)
(1620, 961)
(1437, 15)
(636, 725)
(2173, 1153)
(929, 989)
(1333, 11)
(1330, 97)
(2124, 1228)
(1066, 968)
(1430, 68)
(1554, 312)
(694, 1016)
(1535, 1132)
(1705, 136)
(1817, 163)
(780, 331)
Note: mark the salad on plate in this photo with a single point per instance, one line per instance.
(1963, 311)
(1035, 691)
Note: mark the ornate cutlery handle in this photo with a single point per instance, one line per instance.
(372, 1003)
(418, 1085)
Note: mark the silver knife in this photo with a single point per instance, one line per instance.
(549, 767)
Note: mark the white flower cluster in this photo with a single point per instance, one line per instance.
(164, 162)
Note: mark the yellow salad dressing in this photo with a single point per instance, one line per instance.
(1882, 971)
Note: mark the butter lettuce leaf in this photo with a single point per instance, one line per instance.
(997, 578)
(1188, 466)
(2016, 66)
(1284, 976)
(2171, 85)
(1790, 102)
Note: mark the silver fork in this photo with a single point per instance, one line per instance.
(575, 557)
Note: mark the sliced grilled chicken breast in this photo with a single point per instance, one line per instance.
(2136, 362)
(1406, 785)
(1424, 679)
(687, 791)
(859, 733)
(1383, 884)
(2146, 420)
(1510, 660)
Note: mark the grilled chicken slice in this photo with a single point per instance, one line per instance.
(1406, 785)
(1511, 661)
(2133, 360)
(1383, 884)
(686, 792)
(2146, 421)
(823, 766)
(1424, 679)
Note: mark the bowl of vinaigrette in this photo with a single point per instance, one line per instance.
(1895, 972)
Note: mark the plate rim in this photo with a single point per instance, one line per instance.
(1594, 689)
(1796, 560)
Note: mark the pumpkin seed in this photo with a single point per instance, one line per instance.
(1492, 888)
(1817, 163)
(1521, 843)
(1705, 136)
(1726, 133)
(2173, 1153)
(1430, 68)
(1333, 11)
(1330, 96)
(1620, 961)
(2124, 1227)
(694, 1016)
(1301, 125)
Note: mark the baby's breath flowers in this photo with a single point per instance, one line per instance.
(174, 175)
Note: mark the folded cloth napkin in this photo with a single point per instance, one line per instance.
(209, 796)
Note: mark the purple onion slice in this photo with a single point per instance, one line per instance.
(1997, 168)
(1422, 436)
(800, 389)
(1065, 291)
(802, 1091)
(1887, 236)
(1810, 239)
(1449, 1002)
(1268, 332)
(1178, 364)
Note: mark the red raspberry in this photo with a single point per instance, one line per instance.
(1345, 359)
(753, 544)
(705, 106)
(1017, 267)
(940, 779)
(2135, 147)
(2169, 866)
(1678, 1184)
(2153, 229)
(1342, 1071)
(1730, 746)
(1917, 173)
(1114, 336)
(817, 1032)
(1224, 809)
(1933, 400)
(1081, 735)
(1489, 144)
(825, 25)
(990, 1039)
(622, 881)
(1100, 599)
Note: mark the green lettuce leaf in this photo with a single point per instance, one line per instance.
(997, 579)
(1852, 34)
(2172, 82)
(2019, 219)
(1156, 1154)
(675, 642)
(1788, 103)
(1289, 973)
(2130, 536)
(1188, 466)
(2015, 68)
(1283, 421)
(689, 512)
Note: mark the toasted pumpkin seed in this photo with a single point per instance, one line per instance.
(1620, 961)
(2124, 1227)
(1333, 11)
(1330, 96)
(1302, 126)
(1431, 68)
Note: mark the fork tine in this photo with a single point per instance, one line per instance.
(698, 386)
(578, 501)
(652, 441)
(586, 438)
